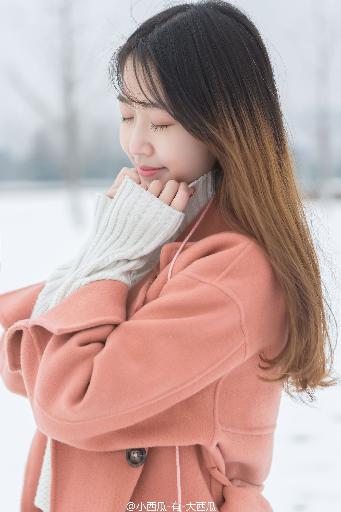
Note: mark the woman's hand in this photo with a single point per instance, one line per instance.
(174, 194)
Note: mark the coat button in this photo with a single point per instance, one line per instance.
(136, 456)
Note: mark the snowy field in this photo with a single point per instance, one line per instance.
(38, 233)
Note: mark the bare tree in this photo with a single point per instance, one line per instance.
(65, 123)
(70, 118)
(325, 40)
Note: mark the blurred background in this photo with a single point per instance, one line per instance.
(59, 145)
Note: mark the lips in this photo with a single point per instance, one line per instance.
(148, 171)
(148, 168)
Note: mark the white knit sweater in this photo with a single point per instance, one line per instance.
(124, 243)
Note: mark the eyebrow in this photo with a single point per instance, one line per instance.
(145, 104)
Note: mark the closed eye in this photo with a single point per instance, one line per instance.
(155, 127)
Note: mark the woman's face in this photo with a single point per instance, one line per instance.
(147, 143)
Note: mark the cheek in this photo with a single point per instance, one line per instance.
(124, 140)
(195, 149)
(186, 147)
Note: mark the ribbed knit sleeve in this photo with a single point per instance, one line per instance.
(124, 243)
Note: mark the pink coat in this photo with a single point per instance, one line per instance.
(152, 397)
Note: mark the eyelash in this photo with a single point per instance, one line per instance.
(155, 127)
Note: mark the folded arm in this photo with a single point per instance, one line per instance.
(100, 381)
(95, 373)
(15, 305)
(122, 245)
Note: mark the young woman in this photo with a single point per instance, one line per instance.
(141, 356)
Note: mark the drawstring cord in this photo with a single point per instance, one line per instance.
(177, 457)
(187, 237)
(178, 475)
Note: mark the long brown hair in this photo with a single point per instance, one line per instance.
(217, 81)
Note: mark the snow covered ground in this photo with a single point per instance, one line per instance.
(37, 234)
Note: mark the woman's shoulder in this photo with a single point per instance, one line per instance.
(218, 257)
(239, 267)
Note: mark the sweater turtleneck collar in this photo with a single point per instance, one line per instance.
(204, 191)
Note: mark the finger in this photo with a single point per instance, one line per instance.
(169, 191)
(154, 187)
(125, 171)
(111, 191)
(133, 174)
(181, 199)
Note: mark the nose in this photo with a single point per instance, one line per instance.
(139, 143)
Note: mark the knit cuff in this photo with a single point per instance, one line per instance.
(124, 243)
(133, 223)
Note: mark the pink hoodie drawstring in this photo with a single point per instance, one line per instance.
(178, 474)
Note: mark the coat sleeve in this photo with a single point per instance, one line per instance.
(18, 304)
(15, 305)
(123, 245)
(12, 380)
(93, 372)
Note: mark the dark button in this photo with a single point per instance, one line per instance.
(136, 456)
